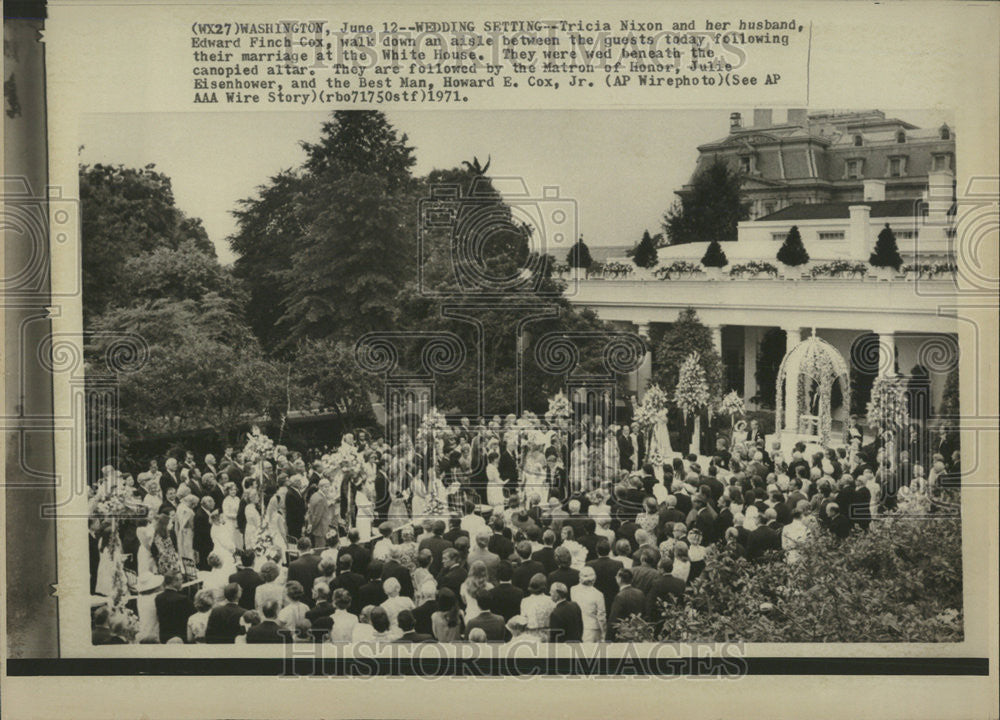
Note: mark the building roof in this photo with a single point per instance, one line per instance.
(840, 210)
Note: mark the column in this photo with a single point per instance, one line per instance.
(717, 338)
(886, 353)
(750, 340)
(644, 372)
(793, 336)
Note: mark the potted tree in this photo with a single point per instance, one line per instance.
(886, 259)
(579, 256)
(644, 254)
(714, 260)
(792, 254)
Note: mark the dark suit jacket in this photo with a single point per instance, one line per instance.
(665, 587)
(202, 534)
(173, 609)
(606, 570)
(436, 545)
(547, 557)
(567, 576)
(266, 632)
(392, 568)
(566, 622)
(305, 569)
(415, 637)
(506, 600)
(224, 624)
(360, 557)
(625, 452)
(248, 580)
(629, 601)
(452, 578)
(525, 571)
(422, 616)
(501, 545)
(351, 582)
(761, 540)
(295, 513)
(491, 623)
(371, 593)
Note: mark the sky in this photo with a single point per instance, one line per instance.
(618, 168)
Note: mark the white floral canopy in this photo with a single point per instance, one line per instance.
(805, 384)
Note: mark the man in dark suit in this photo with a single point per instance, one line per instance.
(371, 593)
(488, 621)
(765, 538)
(500, 543)
(452, 573)
(607, 571)
(625, 450)
(566, 620)
(322, 610)
(95, 551)
(547, 554)
(382, 499)
(407, 623)
(304, 568)
(629, 601)
(564, 573)
(267, 631)
(839, 523)
(392, 568)
(101, 633)
(665, 587)
(202, 542)
(527, 568)
(171, 478)
(507, 467)
(295, 511)
(360, 555)
(436, 544)
(247, 578)
(349, 580)
(555, 476)
(455, 531)
(224, 620)
(506, 600)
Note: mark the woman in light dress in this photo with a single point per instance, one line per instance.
(659, 439)
(230, 509)
(611, 454)
(533, 475)
(578, 466)
(473, 588)
(184, 529)
(494, 484)
(275, 520)
(111, 556)
(366, 511)
(253, 518)
(223, 542)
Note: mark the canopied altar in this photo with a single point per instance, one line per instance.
(803, 408)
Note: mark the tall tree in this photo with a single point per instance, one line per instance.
(685, 337)
(792, 251)
(126, 212)
(886, 254)
(711, 209)
(579, 255)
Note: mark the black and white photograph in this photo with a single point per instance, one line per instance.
(500, 360)
(385, 393)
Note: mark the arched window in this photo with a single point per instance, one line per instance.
(901, 137)
(858, 141)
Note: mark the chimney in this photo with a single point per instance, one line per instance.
(762, 117)
(735, 121)
(940, 195)
(798, 116)
(859, 231)
(874, 190)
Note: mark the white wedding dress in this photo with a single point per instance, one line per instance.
(660, 439)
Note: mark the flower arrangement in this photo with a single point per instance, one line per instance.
(559, 409)
(927, 270)
(691, 394)
(652, 409)
(259, 447)
(839, 268)
(732, 405)
(753, 268)
(617, 269)
(264, 541)
(678, 267)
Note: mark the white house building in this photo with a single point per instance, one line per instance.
(895, 323)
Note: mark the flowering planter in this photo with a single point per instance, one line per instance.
(885, 273)
(790, 272)
(713, 273)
